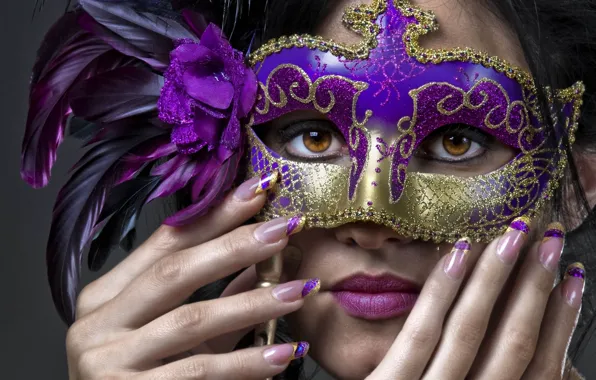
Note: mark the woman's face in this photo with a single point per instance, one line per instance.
(350, 332)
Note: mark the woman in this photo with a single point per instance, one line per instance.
(412, 196)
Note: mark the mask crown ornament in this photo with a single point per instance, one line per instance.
(386, 94)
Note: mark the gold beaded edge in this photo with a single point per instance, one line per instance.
(361, 19)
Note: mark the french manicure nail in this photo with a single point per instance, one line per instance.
(512, 240)
(267, 181)
(552, 246)
(277, 229)
(285, 353)
(455, 263)
(573, 284)
(296, 290)
(247, 190)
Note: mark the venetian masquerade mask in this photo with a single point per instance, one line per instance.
(388, 93)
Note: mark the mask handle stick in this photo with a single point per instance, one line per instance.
(268, 275)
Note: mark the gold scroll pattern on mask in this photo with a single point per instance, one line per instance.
(431, 207)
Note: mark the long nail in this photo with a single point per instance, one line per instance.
(552, 246)
(511, 242)
(267, 181)
(455, 263)
(573, 284)
(277, 229)
(296, 290)
(284, 353)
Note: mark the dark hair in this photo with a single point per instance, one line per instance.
(558, 39)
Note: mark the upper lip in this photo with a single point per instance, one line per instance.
(364, 283)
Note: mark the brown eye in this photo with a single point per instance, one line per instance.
(317, 141)
(456, 145)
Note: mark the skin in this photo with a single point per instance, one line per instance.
(132, 322)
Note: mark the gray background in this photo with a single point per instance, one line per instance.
(32, 333)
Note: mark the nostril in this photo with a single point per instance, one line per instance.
(351, 242)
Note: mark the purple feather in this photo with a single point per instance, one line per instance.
(122, 211)
(76, 213)
(146, 36)
(49, 106)
(117, 94)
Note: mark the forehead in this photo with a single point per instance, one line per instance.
(464, 23)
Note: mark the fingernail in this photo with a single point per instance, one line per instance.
(247, 190)
(573, 284)
(285, 353)
(277, 229)
(267, 181)
(455, 263)
(552, 246)
(512, 240)
(296, 290)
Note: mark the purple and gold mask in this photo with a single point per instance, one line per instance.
(386, 94)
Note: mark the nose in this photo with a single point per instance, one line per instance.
(368, 235)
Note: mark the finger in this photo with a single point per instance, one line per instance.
(251, 364)
(557, 328)
(465, 328)
(226, 342)
(239, 206)
(187, 326)
(411, 350)
(174, 278)
(512, 345)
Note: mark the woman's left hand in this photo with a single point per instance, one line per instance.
(445, 337)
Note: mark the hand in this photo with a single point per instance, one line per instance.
(130, 322)
(445, 339)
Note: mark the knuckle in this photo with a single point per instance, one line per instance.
(469, 334)
(195, 369)
(234, 242)
(522, 344)
(189, 317)
(167, 270)
(165, 238)
(423, 335)
(85, 300)
(91, 364)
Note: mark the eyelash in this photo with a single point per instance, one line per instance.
(286, 134)
(485, 141)
(291, 131)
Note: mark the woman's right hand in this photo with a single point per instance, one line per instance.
(132, 323)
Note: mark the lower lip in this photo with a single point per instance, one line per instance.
(375, 306)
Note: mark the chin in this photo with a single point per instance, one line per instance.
(347, 348)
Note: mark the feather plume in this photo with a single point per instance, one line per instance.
(117, 94)
(122, 210)
(143, 35)
(77, 211)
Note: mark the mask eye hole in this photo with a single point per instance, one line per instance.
(455, 143)
(305, 137)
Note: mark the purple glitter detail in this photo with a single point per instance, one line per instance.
(369, 203)
(301, 350)
(463, 245)
(378, 170)
(284, 202)
(577, 272)
(554, 233)
(309, 286)
(293, 224)
(373, 183)
(520, 225)
(431, 84)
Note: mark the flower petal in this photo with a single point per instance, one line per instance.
(193, 53)
(249, 93)
(209, 90)
(207, 128)
(213, 38)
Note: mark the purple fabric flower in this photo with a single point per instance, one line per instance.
(207, 90)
